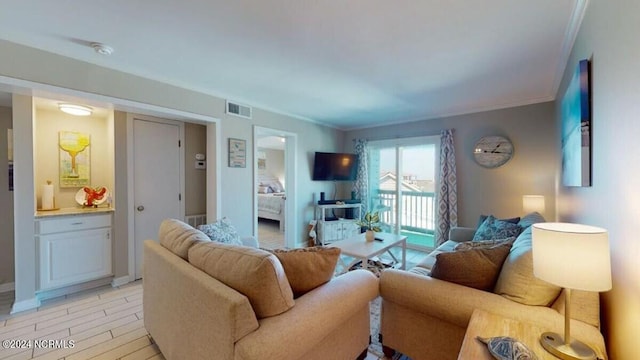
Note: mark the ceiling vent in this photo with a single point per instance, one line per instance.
(238, 110)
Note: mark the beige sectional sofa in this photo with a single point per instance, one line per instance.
(193, 315)
(426, 318)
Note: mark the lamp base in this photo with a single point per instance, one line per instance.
(576, 350)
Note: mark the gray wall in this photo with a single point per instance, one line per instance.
(498, 191)
(195, 138)
(6, 202)
(609, 35)
(237, 183)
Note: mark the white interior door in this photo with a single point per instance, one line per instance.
(157, 174)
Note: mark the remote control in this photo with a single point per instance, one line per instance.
(378, 239)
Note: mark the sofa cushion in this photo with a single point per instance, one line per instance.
(482, 218)
(255, 273)
(476, 268)
(221, 231)
(493, 228)
(517, 282)
(468, 245)
(530, 219)
(308, 268)
(178, 237)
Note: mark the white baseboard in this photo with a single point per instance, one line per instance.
(72, 289)
(25, 305)
(119, 281)
(6, 287)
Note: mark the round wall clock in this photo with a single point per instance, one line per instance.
(493, 151)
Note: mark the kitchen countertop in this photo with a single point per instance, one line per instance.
(72, 211)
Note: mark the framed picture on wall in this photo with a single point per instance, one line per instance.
(75, 159)
(237, 153)
(576, 128)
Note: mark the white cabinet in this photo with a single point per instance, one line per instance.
(73, 249)
(330, 230)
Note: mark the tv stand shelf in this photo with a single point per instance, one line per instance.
(342, 228)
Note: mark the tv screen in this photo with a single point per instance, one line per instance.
(335, 166)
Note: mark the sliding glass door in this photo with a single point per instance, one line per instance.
(402, 187)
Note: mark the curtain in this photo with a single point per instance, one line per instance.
(361, 185)
(447, 210)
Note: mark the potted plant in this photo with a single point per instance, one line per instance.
(371, 222)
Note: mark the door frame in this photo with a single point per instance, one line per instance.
(290, 154)
(130, 181)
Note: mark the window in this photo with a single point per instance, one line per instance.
(402, 186)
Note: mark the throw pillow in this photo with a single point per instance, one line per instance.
(255, 273)
(476, 268)
(517, 282)
(308, 268)
(264, 189)
(468, 245)
(482, 218)
(221, 231)
(530, 219)
(493, 228)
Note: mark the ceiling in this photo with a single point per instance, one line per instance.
(347, 64)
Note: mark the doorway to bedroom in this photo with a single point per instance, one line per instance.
(273, 188)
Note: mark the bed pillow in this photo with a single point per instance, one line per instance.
(277, 186)
(221, 231)
(493, 228)
(308, 268)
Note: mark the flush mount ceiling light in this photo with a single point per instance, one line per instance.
(102, 49)
(78, 110)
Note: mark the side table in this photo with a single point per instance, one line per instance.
(486, 325)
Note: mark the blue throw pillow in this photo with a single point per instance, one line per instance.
(530, 219)
(493, 228)
(513, 220)
(221, 231)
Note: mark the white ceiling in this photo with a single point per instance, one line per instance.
(348, 64)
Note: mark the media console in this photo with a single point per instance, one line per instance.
(336, 228)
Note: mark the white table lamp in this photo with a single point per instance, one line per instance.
(575, 257)
(531, 203)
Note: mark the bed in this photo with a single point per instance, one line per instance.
(271, 198)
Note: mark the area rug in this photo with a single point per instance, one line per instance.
(375, 266)
(375, 347)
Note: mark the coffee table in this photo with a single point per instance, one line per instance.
(362, 250)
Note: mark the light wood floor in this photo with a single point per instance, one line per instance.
(269, 234)
(101, 324)
(104, 323)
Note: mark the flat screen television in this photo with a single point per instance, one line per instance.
(335, 166)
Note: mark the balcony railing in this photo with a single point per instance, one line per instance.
(418, 210)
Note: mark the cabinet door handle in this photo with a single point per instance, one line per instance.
(77, 223)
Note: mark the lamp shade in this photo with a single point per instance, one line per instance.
(572, 256)
(531, 203)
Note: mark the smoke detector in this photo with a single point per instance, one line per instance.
(102, 49)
